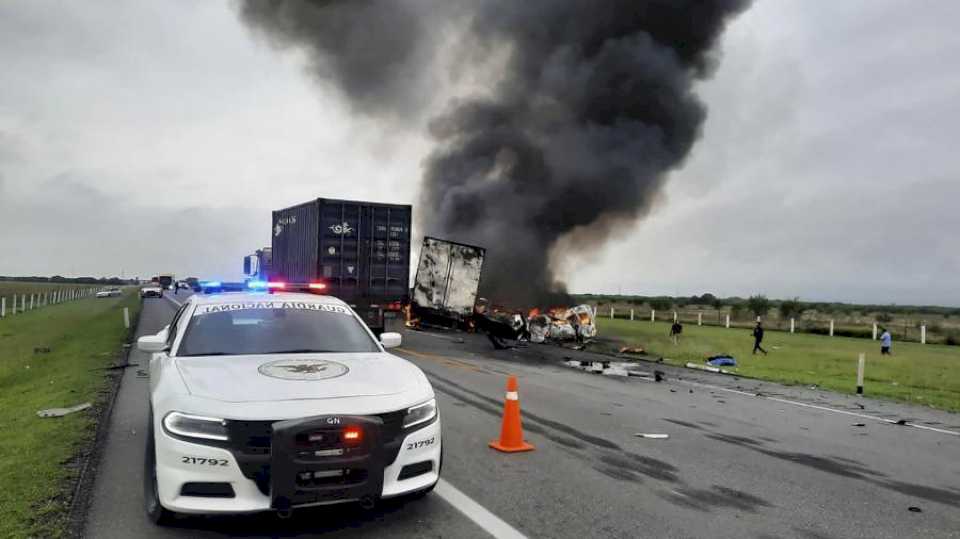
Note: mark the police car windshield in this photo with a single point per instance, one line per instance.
(273, 327)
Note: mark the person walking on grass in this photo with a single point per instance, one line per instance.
(675, 330)
(886, 340)
(757, 339)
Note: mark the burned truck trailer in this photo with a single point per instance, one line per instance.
(447, 282)
(360, 250)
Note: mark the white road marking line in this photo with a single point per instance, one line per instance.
(177, 303)
(491, 523)
(824, 408)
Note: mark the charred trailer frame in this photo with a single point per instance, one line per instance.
(447, 283)
(360, 250)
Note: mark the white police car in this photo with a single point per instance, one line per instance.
(272, 401)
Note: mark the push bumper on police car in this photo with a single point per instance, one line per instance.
(283, 465)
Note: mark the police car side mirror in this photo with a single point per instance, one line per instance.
(151, 344)
(390, 340)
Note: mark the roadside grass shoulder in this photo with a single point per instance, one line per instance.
(920, 374)
(35, 453)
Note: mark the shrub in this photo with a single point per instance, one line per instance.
(758, 305)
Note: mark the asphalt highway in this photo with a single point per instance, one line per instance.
(733, 465)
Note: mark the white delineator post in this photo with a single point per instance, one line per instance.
(831, 328)
(923, 334)
(728, 321)
(631, 315)
(674, 316)
(793, 325)
(126, 317)
(653, 315)
(860, 366)
(3, 307)
(31, 302)
(611, 313)
(23, 303)
(874, 331)
(699, 319)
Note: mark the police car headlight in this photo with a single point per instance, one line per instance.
(420, 413)
(195, 426)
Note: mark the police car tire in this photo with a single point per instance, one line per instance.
(156, 512)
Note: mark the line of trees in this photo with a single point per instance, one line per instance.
(760, 305)
(69, 280)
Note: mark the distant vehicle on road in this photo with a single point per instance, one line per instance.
(258, 266)
(266, 401)
(109, 293)
(152, 290)
(360, 250)
(166, 280)
(183, 285)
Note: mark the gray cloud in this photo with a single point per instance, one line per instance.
(65, 225)
(826, 169)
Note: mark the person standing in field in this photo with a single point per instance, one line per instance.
(886, 340)
(757, 339)
(675, 330)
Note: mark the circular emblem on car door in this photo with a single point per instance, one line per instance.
(303, 369)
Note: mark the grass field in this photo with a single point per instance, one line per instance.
(83, 336)
(922, 374)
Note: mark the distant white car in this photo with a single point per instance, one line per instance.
(151, 291)
(109, 293)
(273, 401)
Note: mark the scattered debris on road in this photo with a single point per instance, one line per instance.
(659, 376)
(859, 425)
(707, 368)
(60, 412)
(560, 324)
(914, 509)
(652, 436)
(632, 350)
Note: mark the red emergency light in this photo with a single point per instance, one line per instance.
(318, 286)
(352, 434)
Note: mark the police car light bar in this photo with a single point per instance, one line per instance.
(283, 285)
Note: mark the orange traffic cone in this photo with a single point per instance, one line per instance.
(511, 432)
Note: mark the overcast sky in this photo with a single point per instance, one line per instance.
(141, 137)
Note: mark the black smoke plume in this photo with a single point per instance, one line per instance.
(592, 108)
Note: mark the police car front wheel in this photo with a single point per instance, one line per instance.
(156, 512)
